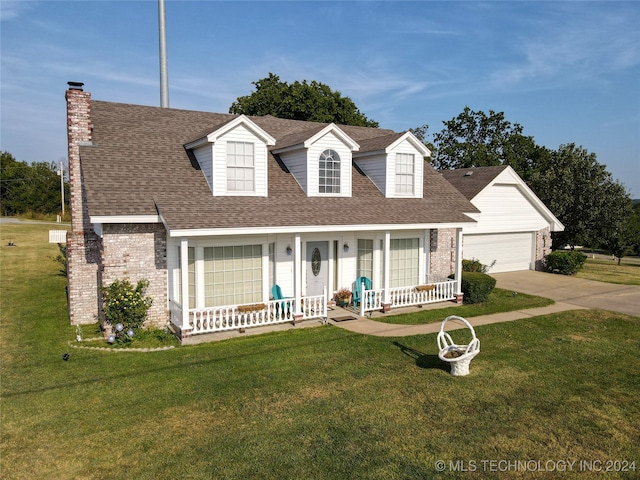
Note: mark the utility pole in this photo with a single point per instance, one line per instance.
(61, 173)
(164, 75)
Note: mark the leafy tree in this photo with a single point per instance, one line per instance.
(29, 188)
(312, 101)
(421, 134)
(475, 139)
(583, 195)
(626, 241)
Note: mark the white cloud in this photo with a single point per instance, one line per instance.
(572, 47)
(13, 9)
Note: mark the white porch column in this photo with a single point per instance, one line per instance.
(458, 270)
(184, 280)
(386, 257)
(297, 277)
(265, 273)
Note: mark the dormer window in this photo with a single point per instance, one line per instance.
(240, 167)
(329, 172)
(405, 172)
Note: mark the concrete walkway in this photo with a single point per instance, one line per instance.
(569, 293)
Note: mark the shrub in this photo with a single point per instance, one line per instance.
(565, 262)
(125, 304)
(474, 265)
(477, 286)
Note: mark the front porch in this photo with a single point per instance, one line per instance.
(193, 322)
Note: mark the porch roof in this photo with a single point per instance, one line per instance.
(137, 165)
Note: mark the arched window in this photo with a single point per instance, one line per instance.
(329, 172)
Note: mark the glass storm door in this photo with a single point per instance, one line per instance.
(317, 267)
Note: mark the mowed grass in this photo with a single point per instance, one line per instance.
(499, 300)
(627, 273)
(318, 403)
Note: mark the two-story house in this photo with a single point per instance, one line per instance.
(217, 209)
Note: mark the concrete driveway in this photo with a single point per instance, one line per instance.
(573, 291)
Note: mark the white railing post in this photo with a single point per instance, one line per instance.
(324, 302)
(362, 299)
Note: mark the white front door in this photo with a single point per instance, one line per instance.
(317, 267)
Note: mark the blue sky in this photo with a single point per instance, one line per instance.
(566, 71)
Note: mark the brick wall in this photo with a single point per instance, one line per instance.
(443, 251)
(543, 247)
(135, 252)
(83, 245)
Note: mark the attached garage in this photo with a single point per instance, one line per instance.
(513, 227)
(509, 251)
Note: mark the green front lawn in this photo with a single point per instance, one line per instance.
(320, 403)
(627, 273)
(499, 301)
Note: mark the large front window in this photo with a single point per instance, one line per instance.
(403, 268)
(329, 172)
(240, 167)
(232, 275)
(404, 173)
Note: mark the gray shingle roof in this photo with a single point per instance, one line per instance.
(471, 181)
(138, 166)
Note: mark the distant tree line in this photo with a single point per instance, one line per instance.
(30, 188)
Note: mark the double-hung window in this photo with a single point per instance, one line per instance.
(329, 172)
(405, 167)
(240, 167)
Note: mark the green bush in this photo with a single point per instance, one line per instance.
(477, 286)
(565, 262)
(474, 265)
(126, 305)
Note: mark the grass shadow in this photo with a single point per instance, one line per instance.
(423, 360)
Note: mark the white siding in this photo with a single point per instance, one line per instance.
(510, 251)
(505, 209)
(375, 167)
(204, 156)
(239, 134)
(329, 141)
(296, 162)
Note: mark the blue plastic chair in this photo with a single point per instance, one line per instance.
(276, 293)
(357, 285)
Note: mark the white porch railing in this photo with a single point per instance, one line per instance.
(438, 289)
(234, 317)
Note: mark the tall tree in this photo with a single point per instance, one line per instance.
(581, 192)
(312, 101)
(28, 188)
(475, 139)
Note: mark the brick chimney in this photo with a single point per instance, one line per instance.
(83, 245)
(78, 133)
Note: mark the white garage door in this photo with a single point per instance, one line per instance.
(511, 251)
